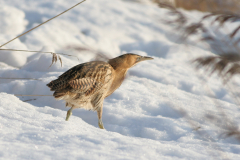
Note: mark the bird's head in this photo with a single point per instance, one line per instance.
(127, 61)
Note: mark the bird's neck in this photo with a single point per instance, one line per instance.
(120, 69)
(120, 75)
(118, 79)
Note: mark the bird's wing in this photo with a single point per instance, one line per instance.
(85, 85)
(82, 84)
(84, 78)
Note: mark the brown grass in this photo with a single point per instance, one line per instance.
(206, 5)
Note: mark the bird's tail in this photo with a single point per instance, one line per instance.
(56, 85)
(59, 94)
(60, 88)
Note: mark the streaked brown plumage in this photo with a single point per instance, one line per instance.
(87, 84)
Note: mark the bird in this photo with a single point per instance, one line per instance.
(87, 85)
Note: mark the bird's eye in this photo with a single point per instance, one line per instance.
(138, 59)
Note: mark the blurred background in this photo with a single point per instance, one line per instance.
(204, 5)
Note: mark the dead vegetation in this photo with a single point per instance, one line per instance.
(225, 62)
(225, 65)
(55, 56)
(204, 5)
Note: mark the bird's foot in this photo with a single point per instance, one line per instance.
(100, 124)
(69, 113)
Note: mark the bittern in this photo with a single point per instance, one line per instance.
(88, 84)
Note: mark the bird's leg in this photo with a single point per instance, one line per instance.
(69, 113)
(99, 112)
(100, 124)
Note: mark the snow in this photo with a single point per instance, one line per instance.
(141, 118)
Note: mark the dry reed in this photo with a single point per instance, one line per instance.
(225, 63)
(204, 5)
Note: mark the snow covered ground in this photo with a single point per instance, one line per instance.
(141, 118)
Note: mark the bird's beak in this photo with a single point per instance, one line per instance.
(140, 59)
